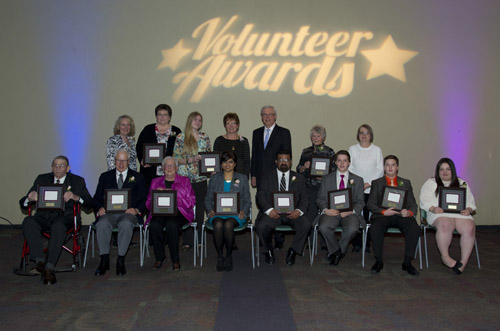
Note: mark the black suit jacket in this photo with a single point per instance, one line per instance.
(263, 160)
(73, 183)
(134, 181)
(377, 194)
(270, 184)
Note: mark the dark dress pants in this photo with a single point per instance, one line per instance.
(173, 227)
(266, 226)
(407, 225)
(53, 222)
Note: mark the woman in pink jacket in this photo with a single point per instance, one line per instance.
(172, 224)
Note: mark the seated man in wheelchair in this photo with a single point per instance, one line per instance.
(57, 222)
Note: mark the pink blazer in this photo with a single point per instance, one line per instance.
(185, 195)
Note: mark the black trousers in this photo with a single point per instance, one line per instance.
(173, 226)
(200, 191)
(407, 225)
(266, 225)
(53, 222)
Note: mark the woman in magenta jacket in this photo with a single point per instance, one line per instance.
(173, 224)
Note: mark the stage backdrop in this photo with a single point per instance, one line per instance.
(423, 74)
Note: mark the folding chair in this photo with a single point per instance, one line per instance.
(425, 226)
(91, 236)
(72, 235)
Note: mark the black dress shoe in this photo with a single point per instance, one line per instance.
(456, 267)
(377, 267)
(356, 248)
(220, 264)
(176, 266)
(103, 265)
(38, 269)
(330, 257)
(278, 245)
(337, 257)
(290, 256)
(410, 269)
(120, 266)
(228, 264)
(158, 264)
(269, 257)
(49, 277)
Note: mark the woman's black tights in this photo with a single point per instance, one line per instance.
(224, 235)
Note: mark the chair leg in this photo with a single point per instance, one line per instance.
(87, 247)
(257, 247)
(315, 244)
(420, 252)
(141, 246)
(425, 248)
(253, 246)
(195, 251)
(203, 242)
(365, 235)
(477, 254)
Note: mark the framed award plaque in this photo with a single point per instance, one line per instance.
(394, 198)
(284, 202)
(452, 199)
(227, 203)
(320, 166)
(210, 162)
(50, 197)
(164, 202)
(154, 153)
(340, 200)
(117, 200)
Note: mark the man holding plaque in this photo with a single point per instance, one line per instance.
(57, 222)
(341, 200)
(122, 178)
(402, 218)
(284, 181)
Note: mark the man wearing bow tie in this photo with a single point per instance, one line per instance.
(122, 177)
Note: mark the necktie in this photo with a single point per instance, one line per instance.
(58, 181)
(342, 185)
(283, 183)
(266, 138)
(120, 181)
(392, 182)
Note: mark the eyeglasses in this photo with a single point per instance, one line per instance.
(121, 161)
(364, 133)
(59, 166)
(283, 160)
(267, 115)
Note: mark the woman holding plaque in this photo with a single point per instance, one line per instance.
(173, 224)
(161, 132)
(227, 181)
(445, 223)
(233, 142)
(317, 149)
(124, 132)
(186, 149)
(367, 162)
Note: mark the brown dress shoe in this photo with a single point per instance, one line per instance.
(49, 277)
(176, 266)
(158, 264)
(38, 269)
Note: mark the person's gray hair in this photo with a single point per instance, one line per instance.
(269, 106)
(167, 158)
(318, 129)
(122, 150)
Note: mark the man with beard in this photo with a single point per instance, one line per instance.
(284, 180)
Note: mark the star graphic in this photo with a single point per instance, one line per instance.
(172, 56)
(388, 60)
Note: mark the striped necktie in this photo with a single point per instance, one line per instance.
(283, 183)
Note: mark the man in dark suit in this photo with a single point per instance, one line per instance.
(119, 178)
(383, 218)
(330, 219)
(266, 142)
(55, 222)
(282, 179)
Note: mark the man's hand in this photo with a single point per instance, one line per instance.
(101, 211)
(405, 213)
(70, 196)
(254, 182)
(293, 215)
(274, 214)
(436, 210)
(132, 211)
(390, 212)
(211, 214)
(332, 212)
(33, 196)
(345, 214)
(145, 165)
